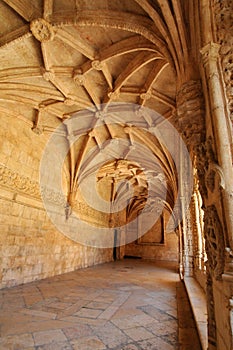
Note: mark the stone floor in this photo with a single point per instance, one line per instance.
(125, 305)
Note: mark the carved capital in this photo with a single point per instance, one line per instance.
(42, 30)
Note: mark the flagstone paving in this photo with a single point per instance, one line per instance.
(124, 305)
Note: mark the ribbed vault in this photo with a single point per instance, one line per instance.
(61, 57)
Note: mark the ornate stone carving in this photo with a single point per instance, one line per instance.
(214, 242)
(48, 75)
(201, 164)
(42, 30)
(11, 179)
(97, 65)
(145, 95)
(223, 11)
(211, 311)
(113, 95)
(38, 130)
(214, 177)
(213, 169)
(209, 172)
(190, 112)
(23, 184)
(228, 261)
(210, 52)
(79, 79)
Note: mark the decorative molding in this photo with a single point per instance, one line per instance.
(11, 179)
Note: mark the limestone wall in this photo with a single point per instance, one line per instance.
(30, 246)
(167, 251)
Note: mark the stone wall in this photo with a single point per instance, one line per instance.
(32, 249)
(167, 251)
(30, 246)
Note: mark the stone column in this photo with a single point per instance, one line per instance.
(223, 10)
(197, 231)
(210, 57)
(190, 123)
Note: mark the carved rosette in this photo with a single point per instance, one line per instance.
(214, 242)
(223, 12)
(190, 113)
(42, 30)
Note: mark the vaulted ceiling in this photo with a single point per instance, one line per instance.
(60, 57)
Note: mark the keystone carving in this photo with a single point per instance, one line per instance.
(42, 30)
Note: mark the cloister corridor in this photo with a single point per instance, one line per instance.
(130, 304)
(116, 174)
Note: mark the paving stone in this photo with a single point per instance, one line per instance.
(88, 313)
(37, 313)
(139, 333)
(156, 343)
(56, 346)
(88, 343)
(133, 321)
(129, 311)
(111, 335)
(16, 342)
(98, 305)
(160, 329)
(47, 337)
(157, 313)
(128, 347)
(60, 305)
(81, 330)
